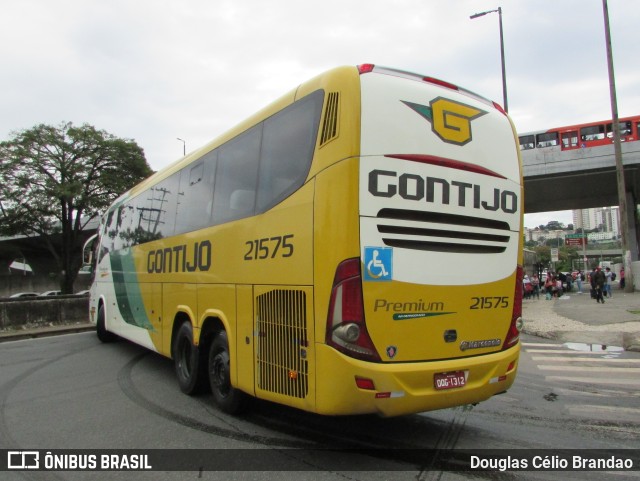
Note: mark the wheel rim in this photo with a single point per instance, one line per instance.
(184, 358)
(220, 373)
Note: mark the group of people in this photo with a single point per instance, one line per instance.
(554, 284)
(552, 287)
(601, 283)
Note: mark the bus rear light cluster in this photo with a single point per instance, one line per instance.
(513, 335)
(346, 327)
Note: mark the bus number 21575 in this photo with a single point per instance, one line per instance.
(489, 303)
(269, 248)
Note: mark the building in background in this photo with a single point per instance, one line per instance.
(605, 219)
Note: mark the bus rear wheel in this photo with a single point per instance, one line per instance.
(186, 360)
(225, 396)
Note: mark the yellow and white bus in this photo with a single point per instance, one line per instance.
(355, 247)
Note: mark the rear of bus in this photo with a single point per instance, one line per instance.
(427, 314)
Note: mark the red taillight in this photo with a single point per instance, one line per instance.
(513, 335)
(365, 383)
(499, 108)
(441, 83)
(365, 68)
(346, 327)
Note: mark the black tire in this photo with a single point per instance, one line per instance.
(229, 399)
(101, 329)
(186, 360)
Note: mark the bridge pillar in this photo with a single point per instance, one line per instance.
(632, 219)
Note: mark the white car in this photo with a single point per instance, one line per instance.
(24, 294)
(50, 293)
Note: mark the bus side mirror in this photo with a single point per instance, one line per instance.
(87, 250)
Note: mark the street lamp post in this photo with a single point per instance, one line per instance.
(504, 75)
(184, 146)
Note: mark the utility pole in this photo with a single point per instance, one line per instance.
(622, 191)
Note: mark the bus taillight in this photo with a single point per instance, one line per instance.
(365, 68)
(346, 327)
(513, 335)
(441, 83)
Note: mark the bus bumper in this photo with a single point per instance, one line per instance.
(406, 388)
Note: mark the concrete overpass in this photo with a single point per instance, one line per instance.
(556, 179)
(36, 252)
(577, 179)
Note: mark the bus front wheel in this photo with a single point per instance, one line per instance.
(101, 329)
(225, 396)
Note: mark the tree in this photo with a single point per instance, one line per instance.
(554, 225)
(56, 179)
(565, 254)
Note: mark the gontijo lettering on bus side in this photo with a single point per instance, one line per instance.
(180, 258)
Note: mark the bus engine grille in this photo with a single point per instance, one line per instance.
(441, 232)
(282, 342)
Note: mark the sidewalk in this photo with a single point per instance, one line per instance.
(576, 317)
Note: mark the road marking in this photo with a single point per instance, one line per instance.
(620, 414)
(629, 382)
(584, 359)
(600, 407)
(617, 370)
(566, 351)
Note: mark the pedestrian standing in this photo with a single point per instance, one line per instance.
(607, 284)
(599, 280)
(579, 279)
(622, 278)
(535, 283)
(592, 281)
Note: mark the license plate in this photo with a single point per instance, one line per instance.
(449, 380)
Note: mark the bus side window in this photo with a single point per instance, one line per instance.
(594, 132)
(159, 217)
(288, 142)
(237, 171)
(196, 195)
(526, 142)
(548, 139)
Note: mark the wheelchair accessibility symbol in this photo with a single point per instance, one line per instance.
(378, 262)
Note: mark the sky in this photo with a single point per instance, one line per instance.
(158, 70)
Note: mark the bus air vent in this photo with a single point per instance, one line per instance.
(330, 123)
(282, 342)
(441, 232)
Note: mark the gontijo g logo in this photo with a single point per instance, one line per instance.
(450, 120)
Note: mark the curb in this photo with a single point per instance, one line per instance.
(33, 333)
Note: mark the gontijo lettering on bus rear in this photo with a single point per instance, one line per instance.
(388, 183)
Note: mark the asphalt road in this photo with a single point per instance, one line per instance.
(72, 392)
